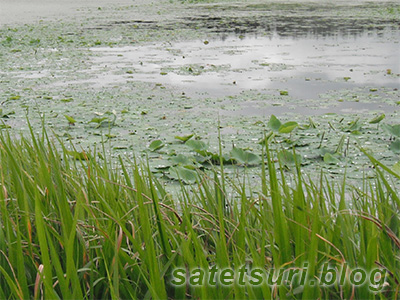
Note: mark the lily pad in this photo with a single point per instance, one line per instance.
(395, 146)
(198, 146)
(181, 159)
(331, 159)
(287, 158)
(245, 157)
(184, 174)
(392, 129)
(156, 145)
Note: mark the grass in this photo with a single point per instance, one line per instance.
(86, 228)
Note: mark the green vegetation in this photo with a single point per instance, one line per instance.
(82, 227)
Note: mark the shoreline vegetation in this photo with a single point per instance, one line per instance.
(91, 228)
(79, 220)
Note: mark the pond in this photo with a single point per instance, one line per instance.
(142, 78)
(305, 66)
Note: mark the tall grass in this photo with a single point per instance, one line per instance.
(96, 229)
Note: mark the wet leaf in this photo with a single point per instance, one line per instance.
(156, 145)
(288, 127)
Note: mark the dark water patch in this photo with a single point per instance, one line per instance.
(289, 26)
(299, 19)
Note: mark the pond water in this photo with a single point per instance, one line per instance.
(305, 67)
(29, 11)
(129, 75)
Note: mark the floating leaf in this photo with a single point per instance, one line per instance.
(181, 159)
(98, 120)
(395, 146)
(330, 159)
(287, 158)
(283, 93)
(156, 145)
(70, 120)
(15, 97)
(244, 157)
(184, 138)
(274, 123)
(377, 119)
(197, 146)
(67, 100)
(392, 129)
(353, 126)
(184, 174)
(288, 127)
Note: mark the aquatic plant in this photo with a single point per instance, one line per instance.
(85, 227)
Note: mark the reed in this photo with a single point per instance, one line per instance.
(91, 228)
